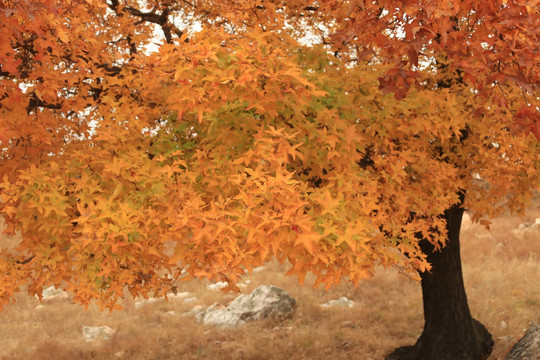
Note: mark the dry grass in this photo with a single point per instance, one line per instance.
(502, 276)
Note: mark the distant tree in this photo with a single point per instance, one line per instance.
(335, 135)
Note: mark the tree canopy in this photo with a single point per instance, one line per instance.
(329, 134)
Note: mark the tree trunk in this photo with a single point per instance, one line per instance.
(450, 332)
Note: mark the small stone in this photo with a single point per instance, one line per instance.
(244, 284)
(180, 295)
(342, 301)
(143, 302)
(217, 286)
(345, 345)
(259, 269)
(91, 333)
(504, 325)
(51, 294)
(348, 324)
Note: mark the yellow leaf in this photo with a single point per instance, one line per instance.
(178, 254)
(116, 192)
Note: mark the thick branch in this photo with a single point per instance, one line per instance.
(25, 261)
(162, 20)
(36, 102)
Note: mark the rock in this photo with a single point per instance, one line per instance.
(348, 324)
(217, 286)
(140, 304)
(51, 294)
(244, 284)
(185, 296)
(345, 345)
(217, 314)
(528, 347)
(91, 333)
(342, 301)
(527, 229)
(264, 302)
(180, 295)
(190, 299)
(504, 325)
(259, 269)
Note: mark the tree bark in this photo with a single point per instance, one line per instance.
(450, 332)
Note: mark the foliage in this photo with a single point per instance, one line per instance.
(129, 163)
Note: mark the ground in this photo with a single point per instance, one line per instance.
(502, 278)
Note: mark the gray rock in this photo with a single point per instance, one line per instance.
(91, 333)
(528, 347)
(264, 302)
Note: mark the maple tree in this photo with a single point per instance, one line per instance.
(335, 135)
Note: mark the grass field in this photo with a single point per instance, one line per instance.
(502, 278)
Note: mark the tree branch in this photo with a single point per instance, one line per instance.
(168, 28)
(25, 261)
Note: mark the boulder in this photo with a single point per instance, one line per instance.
(528, 347)
(91, 333)
(265, 302)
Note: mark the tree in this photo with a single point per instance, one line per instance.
(132, 164)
